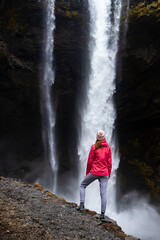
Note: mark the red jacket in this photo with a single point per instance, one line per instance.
(100, 160)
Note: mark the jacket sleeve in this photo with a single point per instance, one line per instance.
(90, 160)
(109, 162)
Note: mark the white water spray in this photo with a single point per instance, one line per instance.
(141, 219)
(48, 118)
(99, 112)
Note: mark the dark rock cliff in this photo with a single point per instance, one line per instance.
(21, 28)
(138, 101)
(22, 43)
(70, 52)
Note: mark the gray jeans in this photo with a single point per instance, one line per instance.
(103, 180)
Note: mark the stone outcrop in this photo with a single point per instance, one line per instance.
(32, 212)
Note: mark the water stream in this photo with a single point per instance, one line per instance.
(47, 108)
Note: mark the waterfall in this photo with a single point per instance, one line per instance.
(125, 15)
(99, 112)
(139, 219)
(47, 111)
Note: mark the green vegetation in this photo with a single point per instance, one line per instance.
(144, 9)
(147, 177)
(68, 9)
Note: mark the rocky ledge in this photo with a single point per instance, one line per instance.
(32, 212)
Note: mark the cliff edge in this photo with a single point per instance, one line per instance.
(32, 212)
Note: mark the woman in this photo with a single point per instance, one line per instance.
(98, 167)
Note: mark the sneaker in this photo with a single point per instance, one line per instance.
(80, 207)
(102, 218)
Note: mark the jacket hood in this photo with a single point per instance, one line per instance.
(104, 143)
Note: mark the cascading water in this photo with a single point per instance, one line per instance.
(99, 112)
(140, 219)
(48, 119)
(125, 15)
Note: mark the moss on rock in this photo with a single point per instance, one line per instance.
(145, 9)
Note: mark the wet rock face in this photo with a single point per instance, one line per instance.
(138, 102)
(70, 53)
(20, 54)
(21, 63)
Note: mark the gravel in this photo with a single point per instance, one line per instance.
(32, 212)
